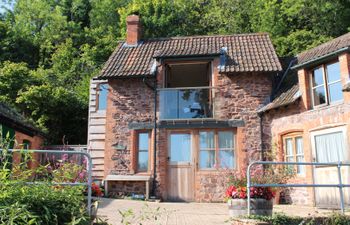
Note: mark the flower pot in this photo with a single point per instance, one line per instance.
(258, 206)
(94, 208)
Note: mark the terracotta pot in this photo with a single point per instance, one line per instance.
(259, 206)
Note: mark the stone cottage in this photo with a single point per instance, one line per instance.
(167, 114)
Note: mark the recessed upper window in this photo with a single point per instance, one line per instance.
(102, 96)
(326, 85)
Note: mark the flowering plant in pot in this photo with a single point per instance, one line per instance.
(261, 197)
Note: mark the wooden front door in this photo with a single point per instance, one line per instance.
(330, 146)
(180, 168)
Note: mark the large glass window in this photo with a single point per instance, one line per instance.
(326, 85)
(216, 149)
(294, 151)
(102, 96)
(206, 150)
(180, 148)
(143, 151)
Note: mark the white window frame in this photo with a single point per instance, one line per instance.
(342, 129)
(325, 84)
(293, 136)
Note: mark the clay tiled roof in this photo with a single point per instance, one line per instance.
(288, 90)
(285, 98)
(244, 53)
(324, 49)
(10, 116)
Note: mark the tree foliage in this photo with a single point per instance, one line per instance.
(50, 49)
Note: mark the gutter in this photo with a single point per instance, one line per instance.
(194, 56)
(319, 59)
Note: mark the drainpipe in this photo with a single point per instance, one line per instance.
(261, 136)
(154, 185)
(154, 88)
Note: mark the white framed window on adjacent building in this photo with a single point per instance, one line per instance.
(325, 84)
(294, 151)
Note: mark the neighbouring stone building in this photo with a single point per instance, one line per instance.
(23, 134)
(309, 120)
(176, 110)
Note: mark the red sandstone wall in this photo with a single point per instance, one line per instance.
(238, 97)
(129, 100)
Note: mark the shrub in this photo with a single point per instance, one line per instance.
(41, 202)
(282, 219)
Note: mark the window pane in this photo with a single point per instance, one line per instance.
(299, 145)
(289, 147)
(143, 141)
(335, 92)
(102, 96)
(319, 95)
(300, 154)
(333, 72)
(226, 159)
(206, 159)
(143, 152)
(180, 147)
(226, 139)
(330, 147)
(300, 168)
(206, 140)
(317, 77)
(143, 160)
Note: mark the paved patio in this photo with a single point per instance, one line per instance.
(183, 213)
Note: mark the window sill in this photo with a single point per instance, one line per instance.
(211, 171)
(142, 173)
(324, 106)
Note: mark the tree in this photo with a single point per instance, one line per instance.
(59, 112)
(14, 77)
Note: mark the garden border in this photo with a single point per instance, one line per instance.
(89, 170)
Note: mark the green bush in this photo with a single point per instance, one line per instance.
(41, 204)
(282, 219)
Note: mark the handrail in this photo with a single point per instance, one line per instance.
(87, 155)
(340, 185)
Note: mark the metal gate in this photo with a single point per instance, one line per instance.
(340, 184)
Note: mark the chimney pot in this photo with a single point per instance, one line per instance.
(133, 30)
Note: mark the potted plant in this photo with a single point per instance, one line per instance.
(261, 200)
(261, 197)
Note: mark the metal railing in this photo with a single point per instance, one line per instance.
(340, 184)
(185, 103)
(89, 170)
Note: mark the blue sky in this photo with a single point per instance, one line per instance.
(2, 5)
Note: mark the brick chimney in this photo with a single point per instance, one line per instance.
(133, 29)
